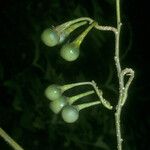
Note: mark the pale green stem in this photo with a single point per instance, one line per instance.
(123, 90)
(9, 140)
(72, 85)
(81, 37)
(121, 83)
(86, 105)
(76, 97)
(73, 27)
(69, 23)
(65, 33)
(118, 13)
(121, 87)
(100, 95)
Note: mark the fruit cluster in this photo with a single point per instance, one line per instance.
(60, 103)
(70, 51)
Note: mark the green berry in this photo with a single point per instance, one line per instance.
(58, 104)
(50, 37)
(70, 114)
(53, 92)
(70, 52)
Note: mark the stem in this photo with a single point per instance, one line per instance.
(72, 85)
(118, 128)
(9, 140)
(100, 95)
(123, 90)
(118, 13)
(86, 105)
(73, 27)
(121, 83)
(79, 96)
(81, 37)
(67, 24)
(106, 28)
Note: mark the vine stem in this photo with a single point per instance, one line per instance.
(123, 89)
(121, 83)
(9, 140)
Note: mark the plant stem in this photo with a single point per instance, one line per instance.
(121, 83)
(9, 140)
(86, 105)
(79, 96)
(100, 95)
(123, 89)
(118, 13)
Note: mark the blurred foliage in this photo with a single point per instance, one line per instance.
(27, 67)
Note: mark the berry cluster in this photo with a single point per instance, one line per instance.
(61, 103)
(70, 52)
(57, 35)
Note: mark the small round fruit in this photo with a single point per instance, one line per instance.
(70, 114)
(58, 104)
(50, 37)
(69, 52)
(53, 92)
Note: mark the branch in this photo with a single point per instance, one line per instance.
(123, 90)
(9, 140)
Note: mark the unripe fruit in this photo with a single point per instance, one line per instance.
(58, 104)
(50, 37)
(70, 114)
(53, 92)
(70, 52)
(57, 35)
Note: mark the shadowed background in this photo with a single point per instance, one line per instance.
(27, 67)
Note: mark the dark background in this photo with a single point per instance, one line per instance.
(27, 67)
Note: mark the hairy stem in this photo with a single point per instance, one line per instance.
(9, 140)
(121, 84)
(123, 89)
